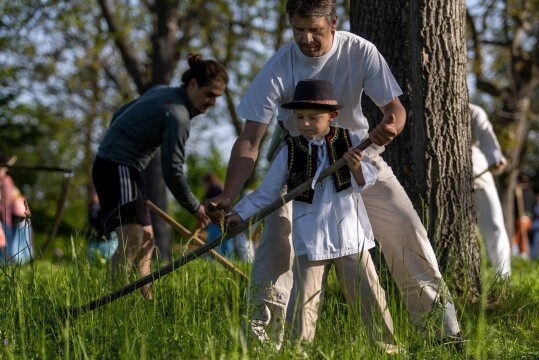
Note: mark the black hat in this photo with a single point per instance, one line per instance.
(314, 94)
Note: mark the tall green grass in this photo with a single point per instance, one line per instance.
(198, 312)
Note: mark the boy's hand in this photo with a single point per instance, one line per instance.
(353, 159)
(232, 220)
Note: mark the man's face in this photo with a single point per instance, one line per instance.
(204, 97)
(314, 36)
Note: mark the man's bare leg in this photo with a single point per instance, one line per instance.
(135, 245)
(145, 259)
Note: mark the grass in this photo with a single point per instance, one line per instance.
(198, 313)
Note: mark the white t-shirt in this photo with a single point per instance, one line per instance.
(353, 65)
(334, 225)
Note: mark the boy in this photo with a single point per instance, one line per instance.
(330, 224)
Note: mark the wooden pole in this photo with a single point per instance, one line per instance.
(59, 210)
(182, 230)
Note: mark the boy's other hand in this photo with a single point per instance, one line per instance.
(232, 220)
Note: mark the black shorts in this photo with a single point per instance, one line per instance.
(120, 189)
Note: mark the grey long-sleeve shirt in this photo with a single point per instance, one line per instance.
(159, 118)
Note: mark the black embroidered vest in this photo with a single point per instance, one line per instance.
(302, 166)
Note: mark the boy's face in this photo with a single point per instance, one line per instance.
(313, 123)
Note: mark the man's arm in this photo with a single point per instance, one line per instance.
(391, 125)
(240, 166)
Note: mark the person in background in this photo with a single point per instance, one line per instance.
(487, 159)
(17, 234)
(161, 117)
(524, 200)
(534, 246)
(100, 248)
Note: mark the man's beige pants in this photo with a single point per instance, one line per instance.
(402, 239)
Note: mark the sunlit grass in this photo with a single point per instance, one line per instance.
(199, 312)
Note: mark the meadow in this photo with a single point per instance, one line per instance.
(198, 312)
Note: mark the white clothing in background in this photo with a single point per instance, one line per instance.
(486, 152)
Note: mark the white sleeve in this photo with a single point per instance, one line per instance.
(370, 174)
(268, 191)
(484, 134)
(379, 83)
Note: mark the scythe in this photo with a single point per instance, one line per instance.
(213, 243)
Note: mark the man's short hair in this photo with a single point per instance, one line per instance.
(312, 8)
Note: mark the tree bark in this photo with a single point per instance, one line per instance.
(425, 46)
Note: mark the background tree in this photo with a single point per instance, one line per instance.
(504, 60)
(50, 78)
(67, 65)
(424, 44)
(168, 35)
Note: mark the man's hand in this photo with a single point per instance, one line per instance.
(385, 132)
(201, 217)
(217, 207)
(391, 125)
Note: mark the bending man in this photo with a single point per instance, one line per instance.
(159, 118)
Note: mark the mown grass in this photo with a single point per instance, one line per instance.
(199, 312)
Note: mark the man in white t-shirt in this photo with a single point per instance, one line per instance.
(354, 66)
(487, 155)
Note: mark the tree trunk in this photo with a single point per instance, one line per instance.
(424, 44)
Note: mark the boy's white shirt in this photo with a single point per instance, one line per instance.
(334, 225)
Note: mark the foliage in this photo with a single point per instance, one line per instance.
(62, 77)
(63, 72)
